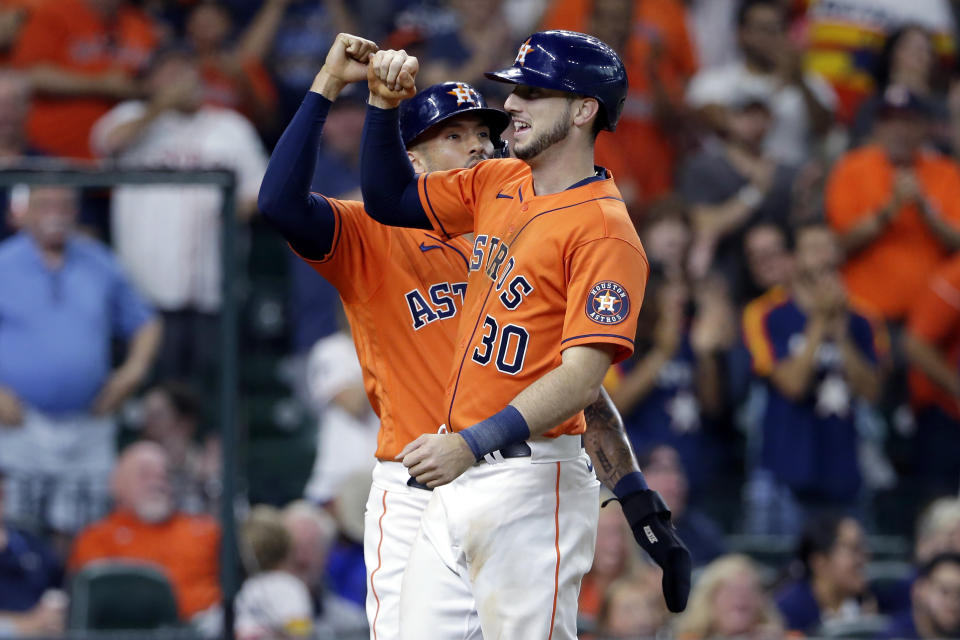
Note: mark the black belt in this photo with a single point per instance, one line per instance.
(515, 450)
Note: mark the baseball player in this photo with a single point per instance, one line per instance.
(403, 292)
(556, 278)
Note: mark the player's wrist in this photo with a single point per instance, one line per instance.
(378, 101)
(327, 84)
(633, 482)
(499, 430)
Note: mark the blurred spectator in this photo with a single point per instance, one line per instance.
(938, 531)
(731, 185)
(713, 27)
(480, 40)
(171, 417)
(845, 38)
(82, 57)
(303, 38)
(653, 41)
(834, 586)
(664, 473)
(348, 426)
(13, 15)
(273, 601)
(896, 207)
(57, 391)
(932, 346)
(935, 599)
(145, 525)
(312, 533)
(818, 355)
(633, 607)
(30, 577)
(615, 556)
(801, 104)
(768, 257)
(907, 60)
(234, 76)
(14, 106)
(728, 601)
(346, 571)
(670, 392)
(169, 236)
(666, 235)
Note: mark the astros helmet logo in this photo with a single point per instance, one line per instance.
(465, 94)
(525, 48)
(607, 303)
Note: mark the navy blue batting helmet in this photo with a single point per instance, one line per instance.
(442, 101)
(572, 62)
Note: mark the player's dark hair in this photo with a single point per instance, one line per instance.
(745, 7)
(819, 536)
(928, 567)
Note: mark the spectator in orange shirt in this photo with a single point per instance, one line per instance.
(234, 76)
(652, 38)
(144, 526)
(83, 56)
(896, 208)
(932, 346)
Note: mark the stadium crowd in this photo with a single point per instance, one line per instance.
(792, 168)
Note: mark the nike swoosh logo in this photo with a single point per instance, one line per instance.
(503, 195)
(427, 247)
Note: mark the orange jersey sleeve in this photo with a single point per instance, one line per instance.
(450, 198)
(356, 262)
(604, 293)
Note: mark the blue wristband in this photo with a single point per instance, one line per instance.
(633, 482)
(502, 428)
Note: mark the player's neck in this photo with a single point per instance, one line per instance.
(561, 166)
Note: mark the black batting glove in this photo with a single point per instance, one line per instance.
(649, 518)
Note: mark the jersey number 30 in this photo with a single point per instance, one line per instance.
(510, 345)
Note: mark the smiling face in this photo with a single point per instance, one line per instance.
(461, 142)
(540, 118)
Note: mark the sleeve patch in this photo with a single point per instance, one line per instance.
(607, 303)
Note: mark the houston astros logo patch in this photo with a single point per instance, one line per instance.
(525, 48)
(464, 94)
(607, 303)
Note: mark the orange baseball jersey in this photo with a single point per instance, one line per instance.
(402, 290)
(546, 273)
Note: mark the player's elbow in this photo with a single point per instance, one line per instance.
(590, 393)
(267, 201)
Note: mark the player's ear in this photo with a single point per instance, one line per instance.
(586, 110)
(417, 162)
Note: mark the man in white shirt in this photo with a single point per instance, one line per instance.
(801, 103)
(168, 237)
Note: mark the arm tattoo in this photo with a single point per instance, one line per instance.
(606, 442)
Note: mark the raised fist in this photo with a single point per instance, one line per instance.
(390, 76)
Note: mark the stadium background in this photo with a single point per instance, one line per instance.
(746, 123)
